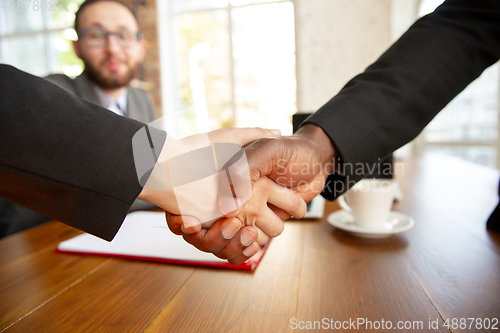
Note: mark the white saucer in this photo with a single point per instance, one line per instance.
(396, 223)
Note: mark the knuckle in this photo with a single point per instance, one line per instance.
(281, 228)
(193, 241)
(299, 206)
(262, 240)
(213, 248)
(175, 227)
(251, 250)
(263, 131)
(222, 255)
(237, 261)
(277, 228)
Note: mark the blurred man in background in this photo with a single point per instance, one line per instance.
(111, 48)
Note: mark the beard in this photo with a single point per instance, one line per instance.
(113, 81)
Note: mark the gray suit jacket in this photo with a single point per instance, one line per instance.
(139, 106)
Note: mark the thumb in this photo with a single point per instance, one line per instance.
(235, 186)
(241, 136)
(248, 135)
(242, 170)
(265, 156)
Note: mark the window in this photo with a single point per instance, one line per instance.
(227, 63)
(35, 36)
(468, 126)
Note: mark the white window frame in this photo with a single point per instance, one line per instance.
(49, 52)
(167, 63)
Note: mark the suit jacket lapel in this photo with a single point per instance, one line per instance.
(134, 109)
(84, 89)
(137, 106)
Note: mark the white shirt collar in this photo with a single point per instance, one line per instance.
(109, 102)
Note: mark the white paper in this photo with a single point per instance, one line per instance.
(142, 234)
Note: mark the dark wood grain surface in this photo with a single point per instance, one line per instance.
(447, 266)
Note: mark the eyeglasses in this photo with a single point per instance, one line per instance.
(98, 37)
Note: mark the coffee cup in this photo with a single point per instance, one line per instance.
(369, 201)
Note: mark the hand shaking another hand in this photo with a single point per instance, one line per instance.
(301, 162)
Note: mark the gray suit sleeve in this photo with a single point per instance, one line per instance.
(388, 104)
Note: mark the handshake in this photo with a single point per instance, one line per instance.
(228, 191)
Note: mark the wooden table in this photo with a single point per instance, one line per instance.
(447, 266)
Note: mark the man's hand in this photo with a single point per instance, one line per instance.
(258, 222)
(227, 238)
(184, 181)
(301, 162)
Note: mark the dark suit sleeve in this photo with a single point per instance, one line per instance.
(388, 104)
(64, 157)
